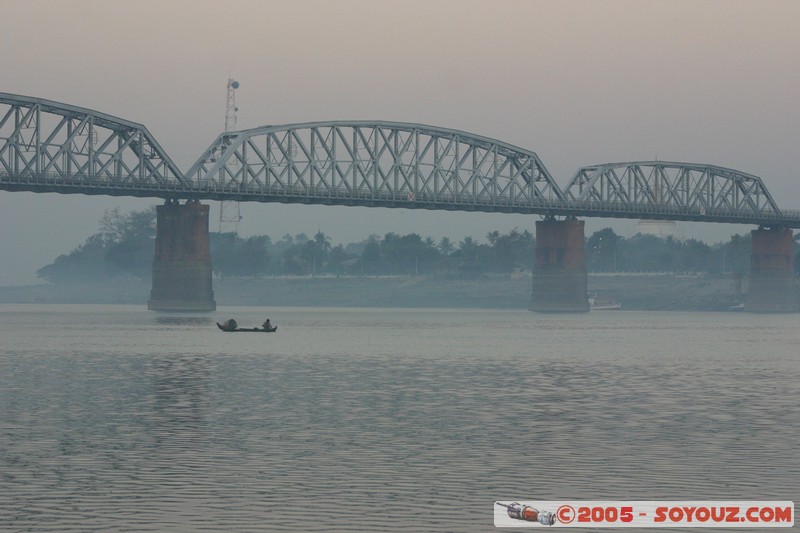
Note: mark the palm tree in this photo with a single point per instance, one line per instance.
(322, 241)
(321, 248)
(468, 245)
(446, 246)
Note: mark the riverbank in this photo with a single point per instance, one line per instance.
(661, 292)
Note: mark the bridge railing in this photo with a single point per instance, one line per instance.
(593, 208)
(102, 184)
(301, 193)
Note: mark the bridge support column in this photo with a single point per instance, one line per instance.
(560, 280)
(182, 262)
(771, 284)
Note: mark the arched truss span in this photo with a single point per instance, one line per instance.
(705, 190)
(374, 164)
(47, 146)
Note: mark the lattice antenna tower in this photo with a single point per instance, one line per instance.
(230, 213)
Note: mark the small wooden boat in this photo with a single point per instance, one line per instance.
(236, 330)
(232, 327)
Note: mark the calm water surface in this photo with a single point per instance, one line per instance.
(117, 418)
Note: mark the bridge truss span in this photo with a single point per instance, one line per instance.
(47, 146)
(675, 191)
(363, 163)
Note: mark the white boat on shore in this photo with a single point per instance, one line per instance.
(603, 304)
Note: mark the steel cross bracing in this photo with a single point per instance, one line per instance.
(675, 191)
(386, 164)
(46, 146)
(51, 147)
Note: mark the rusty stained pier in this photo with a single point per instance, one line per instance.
(560, 276)
(182, 263)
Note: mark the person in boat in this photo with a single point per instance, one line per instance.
(267, 325)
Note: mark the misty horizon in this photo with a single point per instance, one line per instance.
(709, 83)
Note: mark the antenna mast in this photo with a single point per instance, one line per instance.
(229, 211)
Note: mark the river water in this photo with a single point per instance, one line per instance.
(118, 418)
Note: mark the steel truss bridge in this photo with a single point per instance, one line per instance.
(47, 146)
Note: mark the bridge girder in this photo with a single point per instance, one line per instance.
(47, 146)
(388, 164)
(675, 190)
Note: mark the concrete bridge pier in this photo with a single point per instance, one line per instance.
(182, 262)
(560, 280)
(771, 284)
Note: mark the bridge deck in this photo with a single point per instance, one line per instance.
(46, 146)
(344, 197)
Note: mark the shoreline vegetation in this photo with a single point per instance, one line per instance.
(639, 292)
(641, 272)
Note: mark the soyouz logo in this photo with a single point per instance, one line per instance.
(650, 514)
(518, 511)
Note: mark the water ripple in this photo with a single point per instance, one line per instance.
(383, 420)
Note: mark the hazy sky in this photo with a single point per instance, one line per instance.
(577, 82)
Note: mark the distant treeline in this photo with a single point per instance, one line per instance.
(125, 244)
